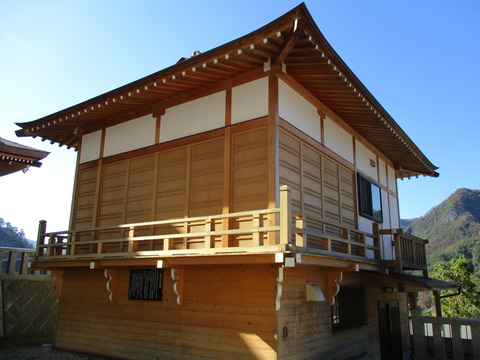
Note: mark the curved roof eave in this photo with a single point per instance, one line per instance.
(363, 113)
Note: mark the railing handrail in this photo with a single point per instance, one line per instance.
(450, 321)
(17, 250)
(165, 222)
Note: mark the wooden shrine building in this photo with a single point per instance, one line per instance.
(240, 204)
(15, 157)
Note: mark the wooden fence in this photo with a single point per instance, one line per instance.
(15, 260)
(445, 338)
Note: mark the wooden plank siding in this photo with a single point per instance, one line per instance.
(181, 181)
(226, 313)
(320, 186)
(309, 324)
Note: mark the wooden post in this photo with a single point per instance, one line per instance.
(438, 342)
(131, 234)
(376, 241)
(24, 263)
(438, 304)
(256, 234)
(457, 342)
(475, 329)
(285, 215)
(347, 247)
(12, 261)
(42, 229)
(418, 332)
(398, 253)
(208, 228)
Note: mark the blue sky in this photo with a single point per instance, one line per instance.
(418, 58)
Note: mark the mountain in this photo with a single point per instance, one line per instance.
(452, 228)
(11, 236)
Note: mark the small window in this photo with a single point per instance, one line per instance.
(349, 311)
(369, 199)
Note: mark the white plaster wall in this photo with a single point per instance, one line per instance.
(392, 180)
(250, 100)
(362, 159)
(130, 135)
(295, 109)
(386, 239)
(338, 140)
(365, 224)
(382, 172)
(194, 117)
(394, 215)
(90, 149)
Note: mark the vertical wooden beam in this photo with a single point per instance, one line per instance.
(475, 329)
(2, 327)
(158, 117)
(438, 342)
(42, 229)
(11, 262)
(24, 263)
(208, 228)
(273, 152)
(438, 303)
(227, 179)
(285, 215)
(457, 342)
(96, 202)
(398, 254)
(273, 144)
(228, 107)
(418, 332)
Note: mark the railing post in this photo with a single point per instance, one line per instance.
(12, 262)
(24, 263)
(42, 229)
(457, 343)
(418, 334)
(208, 228)
(285, 215)
(377, 241)
(397, 243)
(475, 329)
(438, 341)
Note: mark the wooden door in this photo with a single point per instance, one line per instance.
(390, 331)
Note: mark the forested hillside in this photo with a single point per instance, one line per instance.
(452, 228)
(10, 236)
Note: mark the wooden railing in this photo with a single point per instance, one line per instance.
(267, 230)
(444, 338)
(15, 260)
(410, 251)
(322, 236)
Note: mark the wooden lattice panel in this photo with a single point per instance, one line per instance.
(29, 307)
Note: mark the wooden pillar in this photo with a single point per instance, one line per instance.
(418, 330)
(285, 215)
(273, 154)
(398, 253)
(438, 304)
(24, 263)
(42, 229)
(12, 261)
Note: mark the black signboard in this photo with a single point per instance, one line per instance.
(145, 284)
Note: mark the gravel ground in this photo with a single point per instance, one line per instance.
(34, 349)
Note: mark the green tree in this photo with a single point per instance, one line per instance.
(459, 271)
